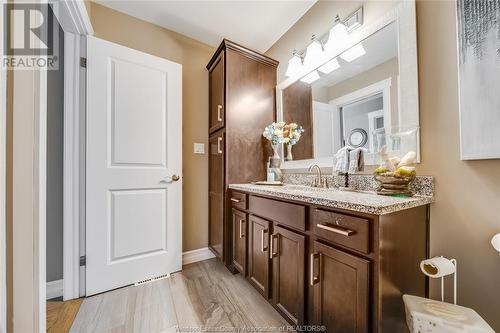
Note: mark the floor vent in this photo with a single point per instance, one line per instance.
(161, 277)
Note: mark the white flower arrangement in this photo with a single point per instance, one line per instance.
(280, 132)
(294, 133)
(275, 133)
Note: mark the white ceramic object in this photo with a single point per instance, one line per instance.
(495, 241)
(408, 159)
(429, 316)
(437, 267)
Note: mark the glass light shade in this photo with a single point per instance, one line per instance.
(353, 53)
(311, 77)
(329, 66)
(337, 36)
(294, 66)
(314, 53)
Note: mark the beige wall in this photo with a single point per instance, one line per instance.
(140, 35)
(467, 209)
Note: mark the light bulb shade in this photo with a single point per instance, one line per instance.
(353, 53)
(294, 66)
(329, 66)
(314, 53)
(339, 30)
(495, 241)
(336, 37)
(437, 267)
(311, 77)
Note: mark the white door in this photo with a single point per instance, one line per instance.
(133, 160)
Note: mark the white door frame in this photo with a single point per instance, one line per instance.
(383, 86)
(73, 17)
(3, 162)
(75, 21)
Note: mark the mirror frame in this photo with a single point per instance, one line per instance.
(404, 14)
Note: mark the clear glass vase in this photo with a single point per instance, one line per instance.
(289, 156)
(275, 164)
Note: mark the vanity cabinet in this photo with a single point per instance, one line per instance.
(287, 250)
(344, 269)
(341, 289)
(241, 103)
(258, 254)
(239, 241)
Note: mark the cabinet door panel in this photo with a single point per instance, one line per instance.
(216, 81)
(341, 290)
(216, 193)
(288, 252)
(239, 240)
(258, 254)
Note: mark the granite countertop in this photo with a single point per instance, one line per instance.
(365, 201)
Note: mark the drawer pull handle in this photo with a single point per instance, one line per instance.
(219, 112)
(219, 146)
(273, 254)
(235, 200)
(262, 247)
(241, 229)
(343, 232)
(313, 279)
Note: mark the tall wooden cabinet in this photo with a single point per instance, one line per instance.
(242, 86)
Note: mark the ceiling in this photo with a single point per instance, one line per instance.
(255, 24)
(380, 47)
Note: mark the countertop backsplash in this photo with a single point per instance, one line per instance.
(422, 185)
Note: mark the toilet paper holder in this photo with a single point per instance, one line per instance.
(439, 267)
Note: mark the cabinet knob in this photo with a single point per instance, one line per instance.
(313, 278)
(219, 112)
(219, 144)
(262, 247)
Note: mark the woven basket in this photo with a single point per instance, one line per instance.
(392, 185)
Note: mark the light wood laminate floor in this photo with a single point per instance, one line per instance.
(204, 295)
(60, 315)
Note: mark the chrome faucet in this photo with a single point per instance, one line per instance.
(318, 181)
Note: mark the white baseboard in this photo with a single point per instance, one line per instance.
(54, 289)
(196, 255)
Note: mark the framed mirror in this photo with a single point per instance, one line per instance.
(356, 95)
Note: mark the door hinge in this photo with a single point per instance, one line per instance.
(83, 260)
(83, 62)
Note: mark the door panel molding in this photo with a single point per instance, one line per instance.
(133, 148)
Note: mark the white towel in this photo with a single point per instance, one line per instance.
(342, 160)
(357, 160)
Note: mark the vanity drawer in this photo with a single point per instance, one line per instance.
(238, 200)
(283, 213)
(349, 231)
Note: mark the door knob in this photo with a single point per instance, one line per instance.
(170, 179)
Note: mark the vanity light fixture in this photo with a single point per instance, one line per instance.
(337, 35)
(353, 53)
(314, 52)
(336, 39)
(311, 77)
(294, 64)
(329, 66)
